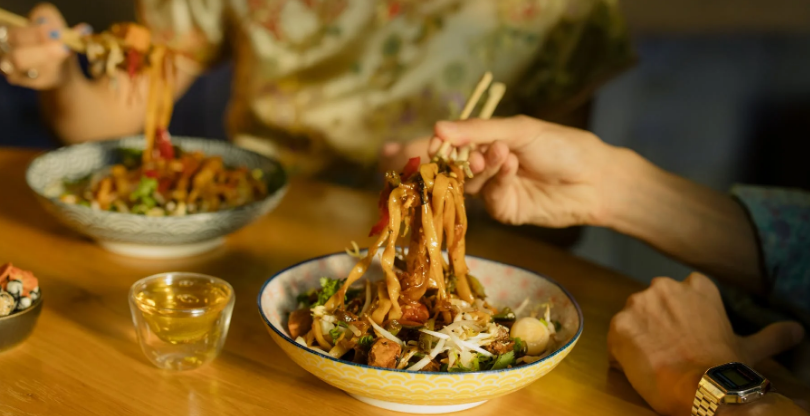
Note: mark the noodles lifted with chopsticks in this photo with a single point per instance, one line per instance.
(160, 179)
(426, 314)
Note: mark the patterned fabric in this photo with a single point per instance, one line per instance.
(319, 80)
(782, 221)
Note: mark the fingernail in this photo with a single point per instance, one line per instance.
(54, 34)
(86, 29)
(40, 20)
(67, 48)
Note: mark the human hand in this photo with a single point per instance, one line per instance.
(667, 336)
(33, 56)
(533, 172)
(394, 155)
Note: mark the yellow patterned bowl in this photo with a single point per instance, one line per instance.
(420, 392)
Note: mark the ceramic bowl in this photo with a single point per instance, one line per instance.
(15, 328)
(420, 392)
(138, 235)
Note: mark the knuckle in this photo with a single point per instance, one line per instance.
(620, 323)
(662, 283)
(635, 299)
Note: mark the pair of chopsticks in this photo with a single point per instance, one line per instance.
(69, 37)
(461, 156)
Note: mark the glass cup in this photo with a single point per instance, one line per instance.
(181, 319)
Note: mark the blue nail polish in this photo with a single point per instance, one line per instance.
(87, 29)
(41, 20)
(54, 34)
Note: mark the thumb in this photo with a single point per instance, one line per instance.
(772, 340)
(514, 131)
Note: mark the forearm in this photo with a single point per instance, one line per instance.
(770, 404)
(697, 225)
(83, 110)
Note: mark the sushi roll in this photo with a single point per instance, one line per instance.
(20, 285)
(7, 303)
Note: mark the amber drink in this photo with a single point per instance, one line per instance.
(181, 319)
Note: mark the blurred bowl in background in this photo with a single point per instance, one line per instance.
(15, 328)
(139, 235)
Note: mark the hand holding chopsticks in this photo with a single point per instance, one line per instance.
(69, 37)
(460, 156)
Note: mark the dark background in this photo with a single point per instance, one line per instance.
(721, 95)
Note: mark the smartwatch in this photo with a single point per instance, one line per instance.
(732, 383)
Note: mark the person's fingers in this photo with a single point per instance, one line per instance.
(33, 57)
(495, 157)
(435, 144)
(496, 194)
(510, 166)
(27, 36)
(48, 16)
(477, 162)
(772, 340)
(703, 285)
(513, 130)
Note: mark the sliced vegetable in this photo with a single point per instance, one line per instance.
(328, 288)
(520, 347)
(410, 168)
(504, 361)
(506, 315)
(477, 287)
(335, 332)
(365, 341)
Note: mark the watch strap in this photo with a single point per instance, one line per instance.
(705, 403)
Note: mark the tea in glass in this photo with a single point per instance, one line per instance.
(181, 319)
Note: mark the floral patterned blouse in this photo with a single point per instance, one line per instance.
(319, 80)
(781, 218)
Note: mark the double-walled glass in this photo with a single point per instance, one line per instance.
(181, 319)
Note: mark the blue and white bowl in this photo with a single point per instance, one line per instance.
(152, 237)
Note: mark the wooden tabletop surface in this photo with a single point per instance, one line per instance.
(83, 357)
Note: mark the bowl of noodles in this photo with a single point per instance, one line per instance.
(410, 327)
(175, 206)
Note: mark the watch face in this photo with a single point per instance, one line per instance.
(735, 377)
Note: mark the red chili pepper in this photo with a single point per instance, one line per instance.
(150, 173)
(382, 205)
(164, 144)
(164, 185)
(393, 9)
(134, 59)
(410, 168)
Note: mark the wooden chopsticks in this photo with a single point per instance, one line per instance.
(69, 37)
(460, 156)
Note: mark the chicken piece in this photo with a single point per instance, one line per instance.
(502, 343)
(416, 313)
(300, 323)
(384, 354)
(432, 366)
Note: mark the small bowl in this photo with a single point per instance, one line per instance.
(420, 392)
(15, 328)
(151, 237)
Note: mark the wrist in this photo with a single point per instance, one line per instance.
(625, 175)
(770, 404)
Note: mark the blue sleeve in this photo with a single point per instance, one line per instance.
(781, 219)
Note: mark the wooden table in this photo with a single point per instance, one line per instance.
(83, 358)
